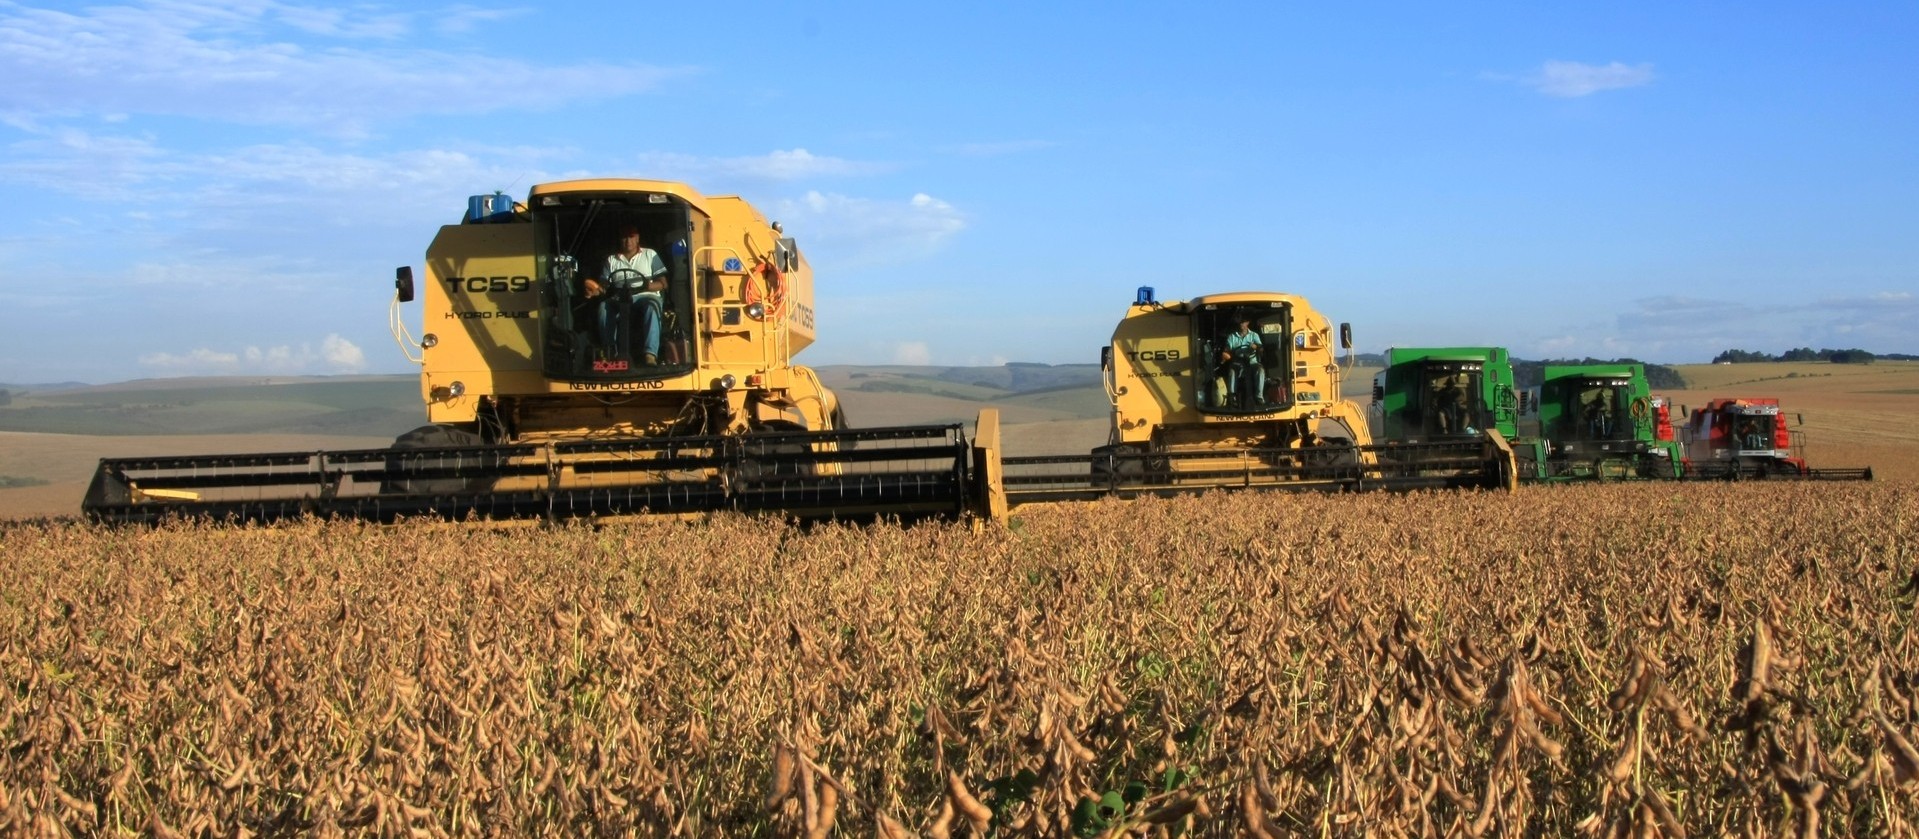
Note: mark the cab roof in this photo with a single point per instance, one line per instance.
(635, 185)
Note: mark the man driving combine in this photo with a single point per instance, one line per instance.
(634, 278)
(1599, 414)
(1449, 404)
(1243, 377)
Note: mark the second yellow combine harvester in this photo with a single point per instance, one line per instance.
(1236, 390)
(613, 347)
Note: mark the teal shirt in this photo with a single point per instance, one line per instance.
(1236, 341)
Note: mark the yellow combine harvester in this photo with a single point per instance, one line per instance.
(1236, 390)
(606, 347)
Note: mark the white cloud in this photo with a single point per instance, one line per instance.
(337, 23)
(866, 231)
(462, 19)
(342, 354)
(1880, 303)
(1572, 79)
(200, 360)
(1676, 329)
(334, 355)
(237, 62)
(226, 188)
(912, 352)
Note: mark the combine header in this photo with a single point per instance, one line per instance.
(606, 347)
(1241, 391)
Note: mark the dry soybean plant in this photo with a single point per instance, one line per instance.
(1616, 660)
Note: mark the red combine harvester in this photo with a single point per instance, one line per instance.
(1748, 438)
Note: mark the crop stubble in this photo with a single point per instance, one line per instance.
(1606, 660)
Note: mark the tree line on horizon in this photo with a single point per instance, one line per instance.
(1853, 356)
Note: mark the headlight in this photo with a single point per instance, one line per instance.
(727, 382)
(755, 311)
(429, 340)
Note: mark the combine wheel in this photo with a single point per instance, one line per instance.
(1332, 457)
(1503, 477)
(427, 437)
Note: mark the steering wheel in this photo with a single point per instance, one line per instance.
(622, 279)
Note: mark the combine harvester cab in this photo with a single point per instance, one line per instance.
(559, 382)
(1239, 390)
(1746, 438)
(1600, 421)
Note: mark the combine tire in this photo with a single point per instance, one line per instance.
(1334, 458)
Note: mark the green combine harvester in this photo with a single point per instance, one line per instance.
(1583, 422)
(1452, 395)
(1602, 421)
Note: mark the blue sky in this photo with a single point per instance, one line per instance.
(204, 188)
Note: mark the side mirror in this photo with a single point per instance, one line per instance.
(1106, 358)
(403, 283)
(1801, 418)
(1345, 336)
(786, 252)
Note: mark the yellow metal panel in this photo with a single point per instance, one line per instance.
(1153, 370)
(481, 305)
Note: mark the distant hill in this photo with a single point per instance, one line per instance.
(908, 395)
(381, 406)
(975, 383)
(387, 406)
(17, 389)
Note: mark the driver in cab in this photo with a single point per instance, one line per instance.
(640, 272)
(1243, 347)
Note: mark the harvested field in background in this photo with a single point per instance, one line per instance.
(1599, 660)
